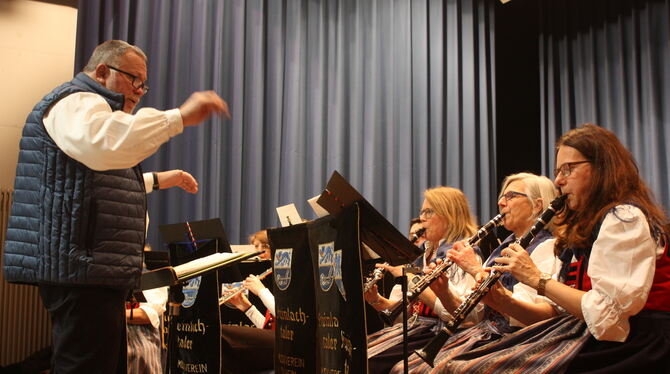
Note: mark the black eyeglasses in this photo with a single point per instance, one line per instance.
(509, 195)
(566, 169)
(137, 82)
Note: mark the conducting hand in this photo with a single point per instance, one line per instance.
(200, 106)
(177, 178)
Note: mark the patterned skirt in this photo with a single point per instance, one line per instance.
(385, 347)
(144, 349)
(463, 341)
(544, 347)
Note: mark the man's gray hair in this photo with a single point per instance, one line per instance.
(110, 52)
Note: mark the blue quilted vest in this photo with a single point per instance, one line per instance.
(71, 225)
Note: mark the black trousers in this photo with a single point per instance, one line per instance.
(247, 349)
(89, 328)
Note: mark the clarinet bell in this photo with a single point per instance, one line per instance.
(430, 351)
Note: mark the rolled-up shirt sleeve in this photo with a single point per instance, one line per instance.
(84, 126)
(268, 300)
(621, 268)
(543, 257)
(155, 305)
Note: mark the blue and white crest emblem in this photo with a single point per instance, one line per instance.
(338, 274)
(190, 291)
(282, 267)
(326, 265)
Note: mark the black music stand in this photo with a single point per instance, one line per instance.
(377, 233)
(198, 248)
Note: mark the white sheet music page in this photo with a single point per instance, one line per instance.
(288, 215)
(204, 263)
(318, 209)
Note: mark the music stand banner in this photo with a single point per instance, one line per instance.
(294, 300)
(341, 327)
(195, 334)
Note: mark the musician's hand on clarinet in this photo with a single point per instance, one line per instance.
(396, 271)
(517, 261)
(480, 276)
(441, 283)
(373, 297)
(497, 297)
(254, 284)
(464, 256)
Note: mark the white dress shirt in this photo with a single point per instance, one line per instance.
(84, 126)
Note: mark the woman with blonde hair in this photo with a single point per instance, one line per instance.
(445, 214)
(523, 197)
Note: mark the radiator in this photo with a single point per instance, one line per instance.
(24, 323)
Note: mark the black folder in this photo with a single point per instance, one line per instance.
(376, 231)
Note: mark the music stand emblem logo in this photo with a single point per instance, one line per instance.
(282, 268)
(338, 273)
(190, 290)
(326, 265)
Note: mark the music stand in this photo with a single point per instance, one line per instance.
(377, 233)
(199, 248)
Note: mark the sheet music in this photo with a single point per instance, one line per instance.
(288, 215)
(242, 248)
(204, 263)
(318, 209)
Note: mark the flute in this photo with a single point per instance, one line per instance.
(419, 284)
(230, 294)
(430, 351)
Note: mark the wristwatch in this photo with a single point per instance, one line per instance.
(544, 277)
(156, 186)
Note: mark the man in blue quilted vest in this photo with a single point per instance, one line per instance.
(77, 226)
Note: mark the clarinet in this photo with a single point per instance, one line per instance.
(375, 275)
(430, 351)
(419, 233)
(419, 284)
(378, 273)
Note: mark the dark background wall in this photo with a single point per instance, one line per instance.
(517, 88)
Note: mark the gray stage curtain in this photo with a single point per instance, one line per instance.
(606, 62)
(395, 95)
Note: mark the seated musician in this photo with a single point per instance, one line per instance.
(260, 241)
(250, 349)
(609, 310)
(241, 302)
(445, 214)
(523, 197)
